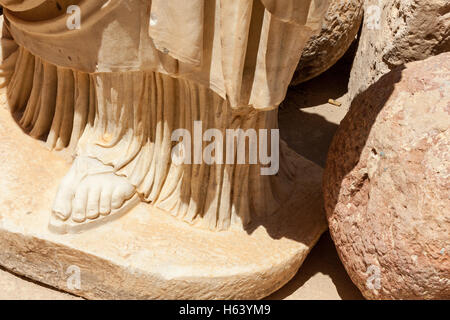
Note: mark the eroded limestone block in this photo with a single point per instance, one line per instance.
(339, 29)
(386, 184)
(396, 32)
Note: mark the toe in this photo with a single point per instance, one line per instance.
(92, 208)
(122, 192)
(79, 204)
(117, 199)
(129, 191)
(62, 205)
(105, 200)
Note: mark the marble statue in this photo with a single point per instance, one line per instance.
(116, 87)
(112, 82)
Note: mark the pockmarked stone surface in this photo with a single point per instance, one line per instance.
(146, 254)
(386, 184)
(396, 32)
(339, 29)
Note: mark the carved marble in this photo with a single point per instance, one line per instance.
(112, 90)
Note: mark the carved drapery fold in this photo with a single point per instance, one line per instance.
(126, 120)
(242, 50)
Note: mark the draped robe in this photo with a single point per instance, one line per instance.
(136, 70)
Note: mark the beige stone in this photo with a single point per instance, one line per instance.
(13, 287)
(386, 184)
(144, 109)
(146, 254)
(339, 29)
(396, 32)
(118, 102)
(321, 277)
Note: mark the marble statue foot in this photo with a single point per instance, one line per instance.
(90, 192)
(147, 253)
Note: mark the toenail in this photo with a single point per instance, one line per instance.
(104, 210)
(60, 216)
(78, 219)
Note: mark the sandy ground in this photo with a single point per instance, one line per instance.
(307, 123)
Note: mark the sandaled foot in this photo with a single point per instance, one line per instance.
(90, 192)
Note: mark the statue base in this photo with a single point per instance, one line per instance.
(147, 253)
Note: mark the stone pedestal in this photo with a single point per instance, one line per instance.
(146, 254)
